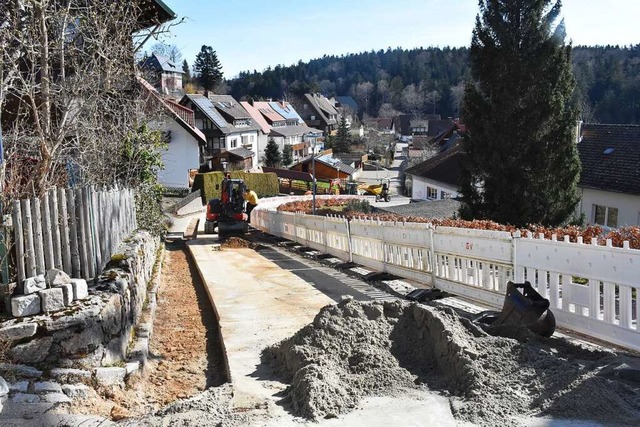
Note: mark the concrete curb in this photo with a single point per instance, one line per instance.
(144, 330)
(227, 369)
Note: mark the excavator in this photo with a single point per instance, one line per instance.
(227, 212)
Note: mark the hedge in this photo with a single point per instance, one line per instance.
(264, 184)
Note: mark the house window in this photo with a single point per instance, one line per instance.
(432, 193)
(445, 195)
(251, 139)
(604, 215)
(234, 143)
(313, 117)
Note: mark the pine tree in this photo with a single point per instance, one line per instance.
(287, 155)
(272, 157)
(522, 165)
(186, 77)
(342, 142)
(207, 67)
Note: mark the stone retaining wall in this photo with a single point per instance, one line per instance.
(91, 332)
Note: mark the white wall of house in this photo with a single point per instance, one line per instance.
(182, 154)
(263, 139)
(426, 189)
(627, 205)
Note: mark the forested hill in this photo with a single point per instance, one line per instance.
(431, 80)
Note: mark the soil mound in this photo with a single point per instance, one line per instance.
(355, 349)
(237, 242)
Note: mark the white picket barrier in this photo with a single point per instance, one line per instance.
(592, 289)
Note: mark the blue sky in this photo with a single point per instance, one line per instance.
(255, 34)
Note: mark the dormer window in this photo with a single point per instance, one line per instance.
(241, 123)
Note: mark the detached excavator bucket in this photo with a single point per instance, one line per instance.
(524, 305)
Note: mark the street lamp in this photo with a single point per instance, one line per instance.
(313, 171)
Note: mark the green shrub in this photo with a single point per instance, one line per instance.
(264, 184)
(357, 206)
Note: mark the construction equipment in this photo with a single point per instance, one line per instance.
(381, 191)
(526, 308)
(341, 186)
(227, 212)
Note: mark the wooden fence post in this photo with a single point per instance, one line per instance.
(88, 231)
(46, 232)
(82, 233)
(18, 238)
(65, 244)
(37, 235)
(30, 270)
(55, 235)
(73, 235)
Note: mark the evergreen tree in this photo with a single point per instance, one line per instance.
(207, 67)
(342, 142)
(522, 165)
(287, 155)
(272, 157)
(186, 77)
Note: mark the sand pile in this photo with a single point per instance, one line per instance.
(354, 349)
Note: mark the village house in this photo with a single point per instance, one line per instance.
(184, 140)
(610, 178)
(437, 177)
(228, 127)
(318, 112)
(280, 121)
(164, 74)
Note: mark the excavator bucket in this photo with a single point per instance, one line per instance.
(524, 305)
(232, 228)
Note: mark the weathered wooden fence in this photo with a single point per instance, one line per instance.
(74, 230)
(593, 289)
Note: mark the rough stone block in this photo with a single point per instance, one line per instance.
(52, 299)
(67, 291)
(57, 277)
(18, 331)
(132, 367)
(80, 288)
(19, 387)
(26, 398)
(84, 341)
(32, 285)
(75, 391)
(55, 398)
(111, 315)
(34, 351)
(111, 375)
(69, 374)
(25, 305)
(4, 387)
(20, 370)
(47, 387)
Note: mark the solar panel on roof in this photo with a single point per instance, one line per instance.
(209, 110)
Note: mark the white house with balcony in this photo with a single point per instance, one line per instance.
(226, 125)
(610, 178)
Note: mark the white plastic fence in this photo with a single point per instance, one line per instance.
(592, 289)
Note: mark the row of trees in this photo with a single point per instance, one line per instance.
(431, 80)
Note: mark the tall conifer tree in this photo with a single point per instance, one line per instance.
(522, 164)
(208, 68)
(342, 142)
(272, 157)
